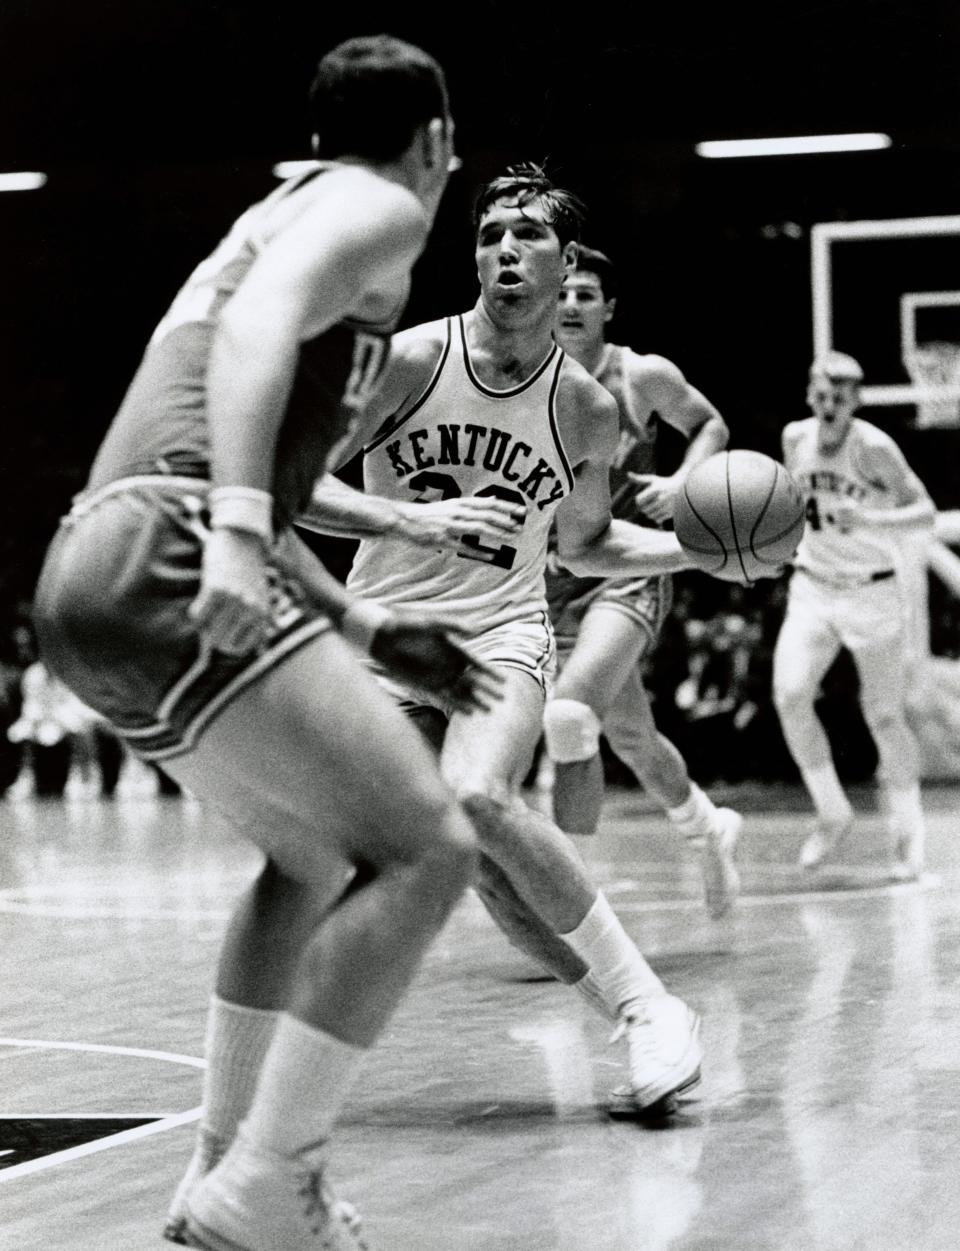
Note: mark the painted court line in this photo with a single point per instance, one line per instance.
(165, 1122)
(101, 1144)
(845, 894)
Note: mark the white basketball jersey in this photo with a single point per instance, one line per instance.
(462, 438)
(842, 476)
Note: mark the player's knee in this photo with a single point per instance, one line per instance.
(571, 731)
(792, 697)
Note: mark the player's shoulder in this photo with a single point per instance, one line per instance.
(870, 437)
(794, 432)
(577, 385)
(355, 202)
(648, 366)
(587, 412)
(415, 354)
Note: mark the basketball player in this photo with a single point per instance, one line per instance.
(178, 601)
(487, 405)
(845, 592)
(607, 628)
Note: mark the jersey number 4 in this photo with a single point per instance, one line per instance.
(441, 486)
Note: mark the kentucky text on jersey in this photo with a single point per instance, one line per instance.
(834, 483)
(494, 450)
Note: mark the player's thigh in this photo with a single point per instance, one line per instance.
(806, 647)
(882, 668)
(607, 649)
(314, 760)
(491, 750)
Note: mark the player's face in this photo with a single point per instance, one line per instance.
(833, 401)
(520, 262)
(583, 312)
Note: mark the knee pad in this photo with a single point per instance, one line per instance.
(571, 731)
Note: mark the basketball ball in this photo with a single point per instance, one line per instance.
(740, 516)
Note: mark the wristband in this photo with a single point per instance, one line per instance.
(361, 621)
(242, 508)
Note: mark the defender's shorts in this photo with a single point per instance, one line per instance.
(646, 601)
(527, 645)
(859, 616)
(111, 612)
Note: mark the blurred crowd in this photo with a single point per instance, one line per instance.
(709, 681)
(51, 744)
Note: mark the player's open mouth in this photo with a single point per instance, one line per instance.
(507, 278)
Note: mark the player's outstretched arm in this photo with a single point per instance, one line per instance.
(590, 542)
(661, 387)
(339, 509)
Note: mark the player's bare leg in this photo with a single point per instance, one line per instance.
(603, 674)
(806, 648)
(882, 669)
(485, 760)
(326, 796)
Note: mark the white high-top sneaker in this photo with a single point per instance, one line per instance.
(664, 1056)
(207, 1153)
(256, 1200)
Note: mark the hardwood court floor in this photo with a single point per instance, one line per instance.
(828, 1120)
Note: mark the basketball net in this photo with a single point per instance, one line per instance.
(934, 368)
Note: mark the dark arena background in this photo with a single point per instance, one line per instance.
(157, 123)
(829, 1115)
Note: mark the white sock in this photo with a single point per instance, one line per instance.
(619, 971)
(904, 810)
(695, 816)
(236, 1044)
(827, 794)
(305, 1078)
(588, 988)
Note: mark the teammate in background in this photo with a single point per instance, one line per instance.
(608, 628)
(486, 407)
(845, 592)
(177, 600)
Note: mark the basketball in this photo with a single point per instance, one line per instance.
(740, 516)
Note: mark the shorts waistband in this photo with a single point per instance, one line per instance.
(87, 500)
(842, 584)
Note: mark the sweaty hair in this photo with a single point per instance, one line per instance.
(525, 183)
(838, 367)
(369, 96)
(590, 261)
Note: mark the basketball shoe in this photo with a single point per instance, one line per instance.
(256, 1200)
(823, 842)
(664, 1056)
(207, 1153)
(721, 881)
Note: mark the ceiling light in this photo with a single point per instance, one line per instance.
(793, 145)
(25, 181)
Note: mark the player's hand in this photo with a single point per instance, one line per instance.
(656, 495)
(425, 655)
(845, 516)
(443, 523)
(232, 608)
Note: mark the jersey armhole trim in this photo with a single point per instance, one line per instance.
(393, 424)
(554, 425)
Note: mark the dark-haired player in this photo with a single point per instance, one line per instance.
(486, 406)
(178, 602)
(607, 628)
